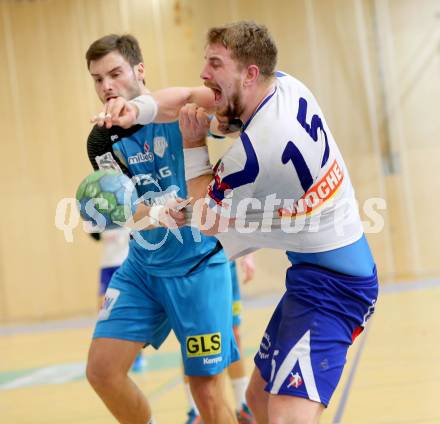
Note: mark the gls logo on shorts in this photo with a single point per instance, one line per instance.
(204, 345)
(110, 298)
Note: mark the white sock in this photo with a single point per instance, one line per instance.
(239, 386)
(190, 399)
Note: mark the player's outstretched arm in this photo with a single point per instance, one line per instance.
(161, 106)
(171, 100)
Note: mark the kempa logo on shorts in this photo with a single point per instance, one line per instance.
(210, 361)
(204, 345)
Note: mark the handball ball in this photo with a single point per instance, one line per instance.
(106, 198)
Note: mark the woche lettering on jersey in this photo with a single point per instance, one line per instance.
(316, 195)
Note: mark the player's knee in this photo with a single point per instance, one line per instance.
(99, 374)
(252, 397)
(293, 410)
(292, 419)
(207, 391)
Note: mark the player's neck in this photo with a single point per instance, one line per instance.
(255, 97)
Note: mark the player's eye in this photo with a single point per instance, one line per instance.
(215, 63)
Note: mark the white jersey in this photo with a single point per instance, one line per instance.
(114, 247)
(284, 179)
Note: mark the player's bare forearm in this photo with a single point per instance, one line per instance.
(161, 106)
(198, 187)
(141, 219)
(171, 100)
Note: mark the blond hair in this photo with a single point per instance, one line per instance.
(249, 44)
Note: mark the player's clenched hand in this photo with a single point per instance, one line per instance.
(117, 111)
(194, 125)
(226, 125)
(172, 215)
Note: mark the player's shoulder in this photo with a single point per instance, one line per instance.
(99, 132)
(99, 138)
(288, 82)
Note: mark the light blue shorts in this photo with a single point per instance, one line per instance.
(144, 308)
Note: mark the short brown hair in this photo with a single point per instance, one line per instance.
(249, 43)
(126, 45)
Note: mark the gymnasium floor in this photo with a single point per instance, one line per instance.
(392, 375)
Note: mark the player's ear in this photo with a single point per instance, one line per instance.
(139, 70)
(252, 73)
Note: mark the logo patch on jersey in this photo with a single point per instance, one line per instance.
(295, 380)
(160, 145)
(110, 298)
(316, 195)
(289, 372)
(140, 158)
(204, 345)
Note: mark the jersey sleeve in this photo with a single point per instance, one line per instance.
(99, 143)
(232, 189)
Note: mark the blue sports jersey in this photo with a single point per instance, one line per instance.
(154, 155)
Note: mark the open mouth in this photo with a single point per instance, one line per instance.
(110, 97)
(217, 94)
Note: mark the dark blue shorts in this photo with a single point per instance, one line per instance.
(304, 348)
(105, 277)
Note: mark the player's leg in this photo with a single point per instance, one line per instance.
(199, 309)
(193, 414)
(283, 379)
(280, 409)
(293, 410)
(209, 394)
(303, 351)
(237, 369)
(106, 275)
(257, 398)
(128, 319)
(107, 371)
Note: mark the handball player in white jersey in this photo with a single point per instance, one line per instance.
(283, 184)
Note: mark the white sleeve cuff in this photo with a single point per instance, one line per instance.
(147, 107)
(196, 162)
